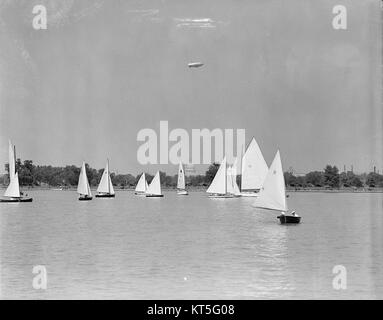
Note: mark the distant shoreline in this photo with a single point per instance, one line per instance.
(196, 189)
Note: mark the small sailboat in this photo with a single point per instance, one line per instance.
(12, 193)
(142, 186)
(154, 189)
(219, 186)
(181, 188)
(105, 188)
(272, 196)
(254, 170)
(83, 187)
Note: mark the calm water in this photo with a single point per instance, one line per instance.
(191, 247)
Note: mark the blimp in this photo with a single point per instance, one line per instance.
(195, 64)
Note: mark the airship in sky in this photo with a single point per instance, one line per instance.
(195, 64)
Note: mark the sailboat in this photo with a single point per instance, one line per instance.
(83, 187)
(272, 196)
(219, 186)
(12, 193)
(181, 181)
(254, 170)
(142, 186)
(154, 189)
(105, 188)
(232, 186)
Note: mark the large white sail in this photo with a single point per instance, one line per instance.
(273, 195)
(155, 186)
(105, 185)
(181, 177)
(142, 185)
(13, 189)
(83, 184)
(254, 167)
(219, 183)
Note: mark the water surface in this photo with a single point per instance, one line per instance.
(191, 247)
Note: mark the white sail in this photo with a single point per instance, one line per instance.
(254, 167)
(105, 185)
(230, 180)
(12, 161)
(237, 191)
(13, 189)
(181, 177)
(155, 186)
(219, 183)
(83, 184)
(273, 195)
(142, 185)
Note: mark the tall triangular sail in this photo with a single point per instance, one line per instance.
(254, 167)
(273, 194)
(106, 185)
(13, 189)
(155, 186)
(83, 184)
(181, 177)
(219, 183)
(142, 185)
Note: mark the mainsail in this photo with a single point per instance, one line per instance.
(219, 183)
(83, 184)
(155, 186)
(106, 185)
(142, 185)
(273, 195)
(254, 167)
(13, 189)
(181, 177)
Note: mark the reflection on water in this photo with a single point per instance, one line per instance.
(190, 247)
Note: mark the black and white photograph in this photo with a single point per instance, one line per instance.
(191, 150)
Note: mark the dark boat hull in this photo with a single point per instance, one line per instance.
(85, 198)
(16, 200)
(105, 195)
(289, 219)
(154, 195)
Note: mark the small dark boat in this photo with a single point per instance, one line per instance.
(85, 198)
(12, 200)
(105, 195)
(289, 219)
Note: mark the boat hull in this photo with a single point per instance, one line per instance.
(13, 200)
(249, 194)
(289, 219)
(221, 196)
(182, 193)
(85, 198)
(141, 194)
(107, 195)
(154, 195)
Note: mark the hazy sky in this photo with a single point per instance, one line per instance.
(103, 70)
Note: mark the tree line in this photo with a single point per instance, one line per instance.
(49, 176)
